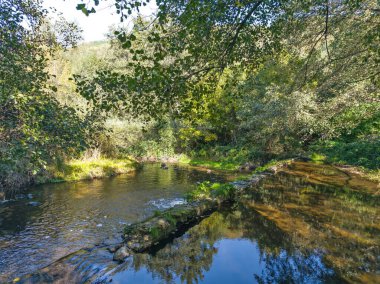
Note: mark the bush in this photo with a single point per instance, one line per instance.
(364, 153)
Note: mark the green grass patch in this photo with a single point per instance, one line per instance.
(226, 158)
(216, 165)
(362, 153)
(315, 157)
(89, 169)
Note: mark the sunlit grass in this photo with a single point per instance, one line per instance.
(89, 169)
(217, 165)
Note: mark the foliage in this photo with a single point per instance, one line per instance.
(223, 82)
(34, 128)
(206, 190)
(189, 44)
(364, 153)
(200, 64)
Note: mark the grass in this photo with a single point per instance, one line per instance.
(207, 190)
(90, 169)
(224, 158)
(210, 164)
(362, 155)
(216, 165)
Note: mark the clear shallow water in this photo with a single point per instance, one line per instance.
(73, 216)
(308, 224)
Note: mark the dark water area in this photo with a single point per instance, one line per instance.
(72, 216)
(309, 223)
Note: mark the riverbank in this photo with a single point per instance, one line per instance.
(95, 168)
(234, 166)
(76, 170)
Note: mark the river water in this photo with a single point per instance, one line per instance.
(72, 216)
(307, 224)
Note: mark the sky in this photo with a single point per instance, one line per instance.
(95, 26)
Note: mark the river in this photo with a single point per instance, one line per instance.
(307, 224)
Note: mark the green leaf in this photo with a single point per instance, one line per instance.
(127, 44)
(81, 6)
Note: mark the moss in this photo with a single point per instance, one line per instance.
(315, 157)
(155, 232)
(168, 217)
(208, 190)
(272, 164)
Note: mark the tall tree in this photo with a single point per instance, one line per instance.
(34, 128)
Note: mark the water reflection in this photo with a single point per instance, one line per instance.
(72, 216)
(289, 230)
(308, 224)
(239, 246)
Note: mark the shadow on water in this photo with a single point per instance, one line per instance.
(307, 224)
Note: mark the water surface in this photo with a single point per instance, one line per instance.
(72, 216)
(309, 223)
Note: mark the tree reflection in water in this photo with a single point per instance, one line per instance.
(302, 232)
(189, 258)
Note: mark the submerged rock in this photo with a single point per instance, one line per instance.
(30, 196)
(34, 203)
(121, 254)
(20, 196)
(114, 248)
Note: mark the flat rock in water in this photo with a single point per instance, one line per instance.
(34, 203)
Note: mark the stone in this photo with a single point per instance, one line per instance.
(20, 196)
(113, 249)
(34, 203)
(121, 254)
(30, 196)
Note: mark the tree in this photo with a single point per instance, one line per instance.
(194, 41)
(34, 128)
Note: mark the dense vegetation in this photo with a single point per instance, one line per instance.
(219, 83)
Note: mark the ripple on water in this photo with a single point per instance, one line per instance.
(166, 203)
(72, 216)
